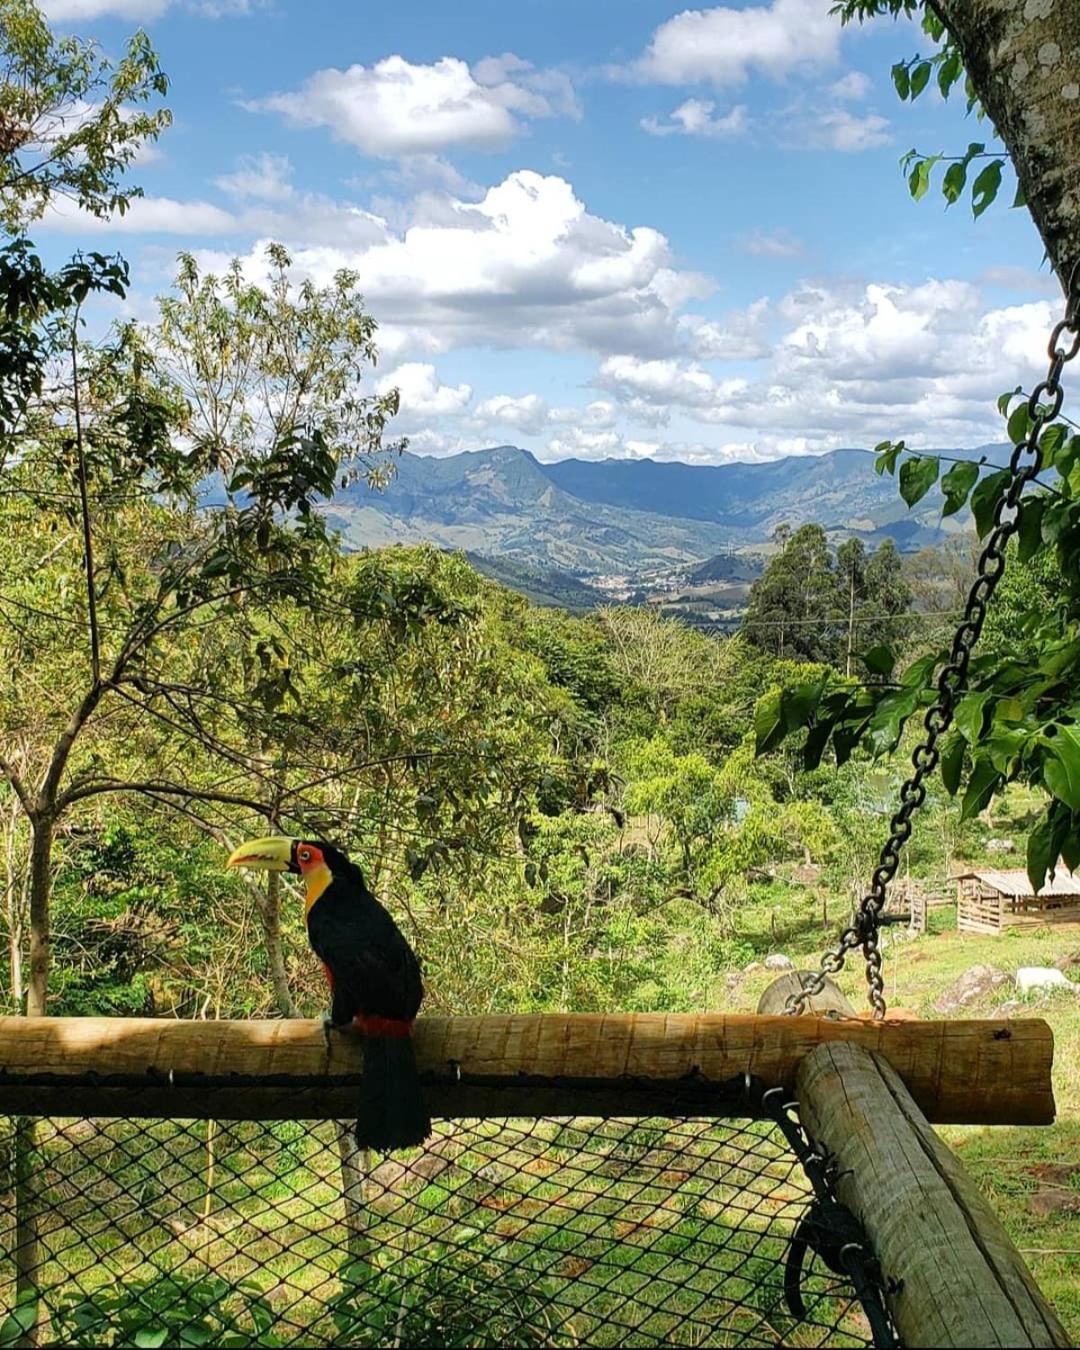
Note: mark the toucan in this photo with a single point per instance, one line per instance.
(374, 979)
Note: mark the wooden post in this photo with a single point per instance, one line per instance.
(959, 1072)
(954, 1277)
(829, 1001)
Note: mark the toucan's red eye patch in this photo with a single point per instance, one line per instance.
(307, 856)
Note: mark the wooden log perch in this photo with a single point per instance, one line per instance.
(954, 1278)
(962, 1072)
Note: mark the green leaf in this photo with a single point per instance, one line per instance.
(981, 787)
(918, 673)
(1005, 399)
(970, 716)
(769, 726)
(954, 182)
(1020, 199)
(18, 1323)
(917, 476)
(1044, 846)
(985, 187)
(919, 178)
(901, 80)
(953, 748)
(887, 455)
(920, 78)
(1051, 442)
(149, 1339)
(1029, 530)
(1019, 424)
(949, 72)
(1061, 769)
(985, 497)
(1070, 846)
(880, 660)
(956, 485)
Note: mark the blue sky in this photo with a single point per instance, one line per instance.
(594, 229)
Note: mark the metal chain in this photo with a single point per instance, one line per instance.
(1024, 465)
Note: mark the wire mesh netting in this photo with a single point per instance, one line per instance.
(518, 1232)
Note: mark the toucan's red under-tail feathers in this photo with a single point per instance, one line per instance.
(392, 1112)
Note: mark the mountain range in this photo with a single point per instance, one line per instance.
(593, 518)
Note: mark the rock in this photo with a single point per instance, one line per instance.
(1044, 1204)
(972, 985)
(753, 965)
(1029, 978)
(1009, 1009)
(1000, 846)
(1070, 961)
(778, 961)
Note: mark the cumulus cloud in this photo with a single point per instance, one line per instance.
(396, 108)
(781, 243)
(529, 413)
(526, 266)
(740, 336)
(264, 177)
(422, 395)
(854, 85)
(855, 364)
(836, 129)
(724, 46)
(695, 118)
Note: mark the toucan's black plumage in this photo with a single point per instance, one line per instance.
(376, 984)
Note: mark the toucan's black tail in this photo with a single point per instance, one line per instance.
(392, 1111)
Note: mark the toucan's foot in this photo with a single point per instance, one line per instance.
(327, 1028)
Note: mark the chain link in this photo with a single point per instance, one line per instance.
(1044, 404)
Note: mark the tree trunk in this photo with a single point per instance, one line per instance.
(27, 1234)
(1023, 57)
(40, 886)
(269, 907)
(355, 1166)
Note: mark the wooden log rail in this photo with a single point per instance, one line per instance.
(953, 1278)
(958, 1072)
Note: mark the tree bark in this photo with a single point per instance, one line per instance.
(1023, 57)
(40, 887)
(269, 906)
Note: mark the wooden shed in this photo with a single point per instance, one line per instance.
(989, 901)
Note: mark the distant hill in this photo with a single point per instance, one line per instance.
(614, 517)
(549, 588)
(726, 567)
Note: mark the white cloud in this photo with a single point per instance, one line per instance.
(836, 129)
(264, 177)
(526, 266)
(62, 10)
(781, 243)
(395, 108)
(724, 46)
(529, 413)
(856, 364)
(854, 85)
(422, 395)
(739, 336)
(695, 118)
(145, 215)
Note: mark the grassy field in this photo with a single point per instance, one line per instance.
(1031, 1175)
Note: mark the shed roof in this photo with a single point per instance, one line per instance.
(1016, 883)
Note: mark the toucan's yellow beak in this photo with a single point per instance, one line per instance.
(265, 855)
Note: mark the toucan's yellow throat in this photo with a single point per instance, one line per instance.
(281, 854)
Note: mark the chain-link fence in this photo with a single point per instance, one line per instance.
(563, 1232)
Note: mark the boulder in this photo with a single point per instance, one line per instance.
(1030, 978)
(972, 985)
(753, 965)
(778, 961)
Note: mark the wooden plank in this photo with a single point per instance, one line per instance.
(960, 1072)
(954, 1277)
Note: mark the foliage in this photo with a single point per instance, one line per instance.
(943, 70)
(71, 119)
(1019, 719)
(814, 604)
